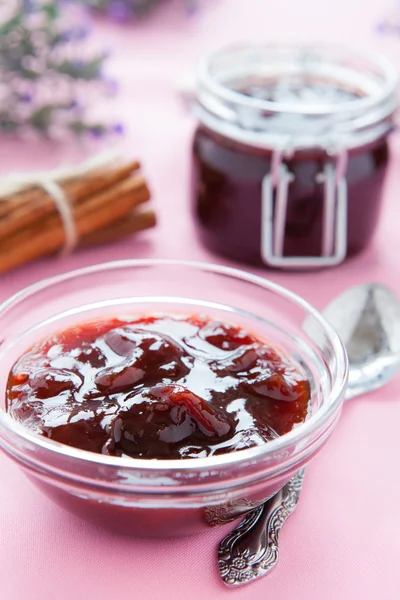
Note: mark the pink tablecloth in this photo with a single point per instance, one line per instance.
(343, 542)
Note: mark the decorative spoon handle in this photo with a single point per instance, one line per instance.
(251, 549)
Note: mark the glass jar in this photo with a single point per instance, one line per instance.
(291, 152)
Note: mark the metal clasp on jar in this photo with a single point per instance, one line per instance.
(275, 194)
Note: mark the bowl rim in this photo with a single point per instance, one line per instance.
(256, 453)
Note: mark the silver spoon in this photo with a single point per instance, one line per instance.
(367, 318)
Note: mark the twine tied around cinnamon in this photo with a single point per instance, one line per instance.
(50, 182)
(95, 203)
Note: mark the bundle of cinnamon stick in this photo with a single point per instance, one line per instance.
(105, 203)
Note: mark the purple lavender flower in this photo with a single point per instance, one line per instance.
(391, 23)
(123, 10)
(118, 129)
(192, 6)
(97, 131)
(48, 88)
(25, 97)
(118, 10)
(28, 6)
(75, 34)
(381, 27)
(112, 85)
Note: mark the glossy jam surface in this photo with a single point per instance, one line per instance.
(228, 176)
(163, 387)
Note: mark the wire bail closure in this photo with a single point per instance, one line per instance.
(275, 195)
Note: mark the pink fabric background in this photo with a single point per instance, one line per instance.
(344, 540)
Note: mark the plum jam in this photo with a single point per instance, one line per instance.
(291, 153)
(228, 197)
(157, 387)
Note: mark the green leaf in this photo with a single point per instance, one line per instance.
(77, 127)
(8, 125)
(51, 10)
(11, 24)
(41, 118)
(29, 74)
(89, 70)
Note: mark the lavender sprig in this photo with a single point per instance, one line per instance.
(390, 24)
(44, 81)
(124, 10)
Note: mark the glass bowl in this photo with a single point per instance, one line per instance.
(171, 497)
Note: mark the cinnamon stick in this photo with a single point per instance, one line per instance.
(19, 210)
(130, 224)
(99, 210)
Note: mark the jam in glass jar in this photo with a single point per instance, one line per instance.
(291, 152)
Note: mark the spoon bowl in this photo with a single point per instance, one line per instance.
(367, 319)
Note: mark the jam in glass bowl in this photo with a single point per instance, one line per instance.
(161, 397)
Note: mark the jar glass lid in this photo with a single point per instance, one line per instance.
(297, 96)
